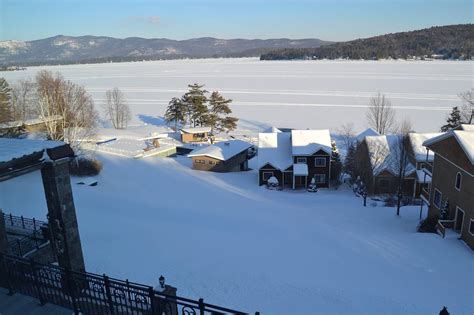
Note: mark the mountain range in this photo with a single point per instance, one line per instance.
(84, 49)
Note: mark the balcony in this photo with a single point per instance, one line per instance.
(428, 168)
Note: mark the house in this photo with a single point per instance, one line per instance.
(195, 134)
(29, 125)
(295, 157)
(378, 164)
(366, 133)
(452, 183)
(419, 156)
(225, 156)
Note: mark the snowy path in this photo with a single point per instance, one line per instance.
(223, 238)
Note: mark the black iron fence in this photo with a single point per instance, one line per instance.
(89, 293)
(19, 222)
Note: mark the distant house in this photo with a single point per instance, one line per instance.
(419, 156)
(29, 125)
(378, 164)
(295, 157)
(452, 184)
(366, 133)
(196, 134)
(225, 156)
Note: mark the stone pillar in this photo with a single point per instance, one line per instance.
(3, 234)
(62, 215)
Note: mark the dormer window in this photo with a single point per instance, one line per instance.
(457, 184)
(301, 160)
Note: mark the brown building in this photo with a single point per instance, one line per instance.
(196, 134)
(225, 156)
(378, 164)
(295, 158)
(452, 184)
(419, 156)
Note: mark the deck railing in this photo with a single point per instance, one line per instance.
(88, 293)
(19, 222)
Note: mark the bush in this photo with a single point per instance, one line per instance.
(428, 225)
(84, 166)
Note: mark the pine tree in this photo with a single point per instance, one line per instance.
(219, 110)
(195, 101)
(176, 112)
(453, 121)
(350, 161)
(5, 101)
(336, 164)
(443, 213)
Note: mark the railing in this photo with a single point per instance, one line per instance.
(442, 225)
(428, 168)
(89, 293)
(425, 194)
(20, 222)
(27, 244)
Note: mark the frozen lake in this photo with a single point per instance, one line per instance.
(298, 94)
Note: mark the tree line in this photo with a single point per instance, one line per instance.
(196, 109)
(452, 42)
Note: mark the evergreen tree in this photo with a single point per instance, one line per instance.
(195, 101)
(453, 121)
(350, 161)
(5, 101)
(443, 213)
(176, 112)
(336, 164)
(219, 110)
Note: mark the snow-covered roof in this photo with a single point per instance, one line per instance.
(13, 148)
(307, 142)
(272, 129)
(196, 130)
(300, 169)
(29, 122)
(222, 150)
(384, 154)
(463, 137)
(367, 132)
(275, 149)
(416, 142)
(466, 127)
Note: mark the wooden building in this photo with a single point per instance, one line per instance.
(225, 156)
(196, 134)
(295, 157)
(452, 184)
(378, 165)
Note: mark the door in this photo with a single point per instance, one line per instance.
(459, 219)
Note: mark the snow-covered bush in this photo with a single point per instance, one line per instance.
(85, 166)
(272, 183)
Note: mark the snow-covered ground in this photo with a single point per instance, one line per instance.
(223, 238)
(296, 94)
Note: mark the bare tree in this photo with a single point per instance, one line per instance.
(23, 99)
(66, 109)
(347, 134)
(467, 110)
(117, 109)
(405, 127)
(380, 114)
(400, 158)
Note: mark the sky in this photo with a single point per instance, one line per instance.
(336, 20)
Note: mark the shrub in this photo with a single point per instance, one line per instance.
(428, 225)
(85, 166)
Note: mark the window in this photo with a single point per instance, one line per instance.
(437, 198)
(457, 184)
(199, 161)
(212, 162)
(301, 160)
(320, 162)
(471, 227)
(320, 178)
(267, 175)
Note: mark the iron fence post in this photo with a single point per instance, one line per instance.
(108, 294)
(22, 222)
(36, 282)
(19, 247)
(6, 274)
(151, 293)
(71, 290)
(11, 219)
(202, 307)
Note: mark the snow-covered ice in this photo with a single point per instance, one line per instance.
(224, 238)
(294, 94)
